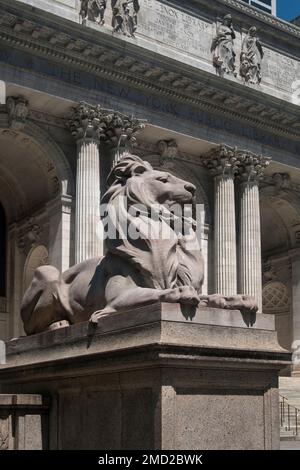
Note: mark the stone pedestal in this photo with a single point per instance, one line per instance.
(158, 377)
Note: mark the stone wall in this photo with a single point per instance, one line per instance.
(185, 33)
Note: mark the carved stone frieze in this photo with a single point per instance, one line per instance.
(29, 235)
(281, 181)
(168, 151)
(124, 14)
(121, 65)
(18, 110)
(279, 185)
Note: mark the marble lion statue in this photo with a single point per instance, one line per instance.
(136, 270)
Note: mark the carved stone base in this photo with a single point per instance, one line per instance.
(24, 422)
(158, 377)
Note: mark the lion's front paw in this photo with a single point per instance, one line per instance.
(249, 304)
(216, 301)
(188, 295)
(244, 303)
(183, 295)
(95, 317)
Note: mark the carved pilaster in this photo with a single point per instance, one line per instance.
(29, 235)
(168, 151)
(18, 110)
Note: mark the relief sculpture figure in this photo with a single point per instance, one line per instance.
(223, 48)
(251, 58)
(159, 259)
(125, 16)
(93, 10)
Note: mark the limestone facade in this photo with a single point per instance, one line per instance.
(78, 88)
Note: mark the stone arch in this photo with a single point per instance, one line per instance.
(36, 181)
(56, 154)
(41, 151)
(280, 216)
(49, 147)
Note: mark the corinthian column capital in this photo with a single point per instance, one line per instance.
(111, 127)
(221, 161)
(252, 167)
(122, 130)
(88, 122)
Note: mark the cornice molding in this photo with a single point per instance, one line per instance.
(265, 17)
(112, 64)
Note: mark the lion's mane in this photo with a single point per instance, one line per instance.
(172, 261)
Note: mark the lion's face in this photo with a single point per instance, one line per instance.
(163, 188)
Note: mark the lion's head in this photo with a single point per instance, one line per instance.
(142, 184)
(166, 255)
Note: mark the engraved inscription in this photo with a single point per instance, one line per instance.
(175, 28)
(279, 70)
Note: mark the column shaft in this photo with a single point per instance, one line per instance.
(225, 236)
(250, 242)
(88, 243)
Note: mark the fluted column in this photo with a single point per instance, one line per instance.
(222, 164)
(87, 124)
(250, 270)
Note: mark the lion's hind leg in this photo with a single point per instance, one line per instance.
(40, 308)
